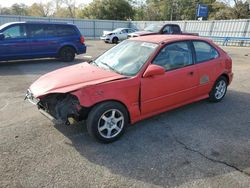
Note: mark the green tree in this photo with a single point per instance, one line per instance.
(5, 11)
(138, 8)
(63, 12)
(71, 7)
(221, 11)
(19, 9)
(108, 9)
(241, 10)
(170, 9)
(41, 9)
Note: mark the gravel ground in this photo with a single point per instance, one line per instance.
(198, 145)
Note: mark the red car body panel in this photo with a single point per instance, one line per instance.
(125, 91)
(143, 97)
(71, 78)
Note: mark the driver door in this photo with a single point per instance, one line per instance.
(123, 34)
(14, 45)
(177, 86)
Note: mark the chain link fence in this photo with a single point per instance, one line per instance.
(229, 32)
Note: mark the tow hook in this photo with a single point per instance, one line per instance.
(70, 121)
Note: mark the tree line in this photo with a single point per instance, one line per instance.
(132, 9)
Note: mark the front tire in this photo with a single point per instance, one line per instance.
(107, 121)
(67, 54)
(219, 89)
(115, 40)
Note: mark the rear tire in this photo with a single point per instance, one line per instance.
(219, 89)
(67, 54)
(115, 40)
(107, 122)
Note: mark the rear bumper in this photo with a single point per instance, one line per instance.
(81, 49)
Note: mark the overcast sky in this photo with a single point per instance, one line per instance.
(8, 3)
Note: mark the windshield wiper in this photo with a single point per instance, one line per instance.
(111, 68)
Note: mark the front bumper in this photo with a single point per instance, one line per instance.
(50, 117)
(30, 97)
(44, 110)
(105, 38)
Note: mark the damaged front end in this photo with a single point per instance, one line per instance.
(60, 108)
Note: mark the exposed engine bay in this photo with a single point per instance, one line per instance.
(62, 108)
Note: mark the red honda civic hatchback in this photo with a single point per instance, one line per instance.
(134, 80)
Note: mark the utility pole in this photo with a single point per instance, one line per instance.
(196, 2)
(171, 10)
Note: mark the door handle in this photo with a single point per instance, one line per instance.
(191, 73)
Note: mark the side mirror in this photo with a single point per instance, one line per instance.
(88, 58)
(2, 36)
(153, 70)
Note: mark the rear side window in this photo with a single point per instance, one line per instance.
(50, 30)
(176, 29)
(204, 51)
(36, 30)
(65, 30)
(171, 29)
(16, 31)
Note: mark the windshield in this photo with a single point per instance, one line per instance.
(126, 58)
(153, 28)
(4, 25)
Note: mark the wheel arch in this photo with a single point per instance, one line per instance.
(116, 38)
(224, 75)
(111, 100)
(66, 45)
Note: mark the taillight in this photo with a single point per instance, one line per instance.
(82, 40)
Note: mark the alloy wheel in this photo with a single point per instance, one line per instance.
(110, 123)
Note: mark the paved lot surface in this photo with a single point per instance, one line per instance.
(199, 145)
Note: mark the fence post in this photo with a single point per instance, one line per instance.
(245, 31)
(184, 27)
(94, 28)
(211, 28)
(129, 24)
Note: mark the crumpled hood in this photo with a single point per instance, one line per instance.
(141, 33)
(71, 78)
(107, 32)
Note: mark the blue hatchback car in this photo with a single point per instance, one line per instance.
(27, 40)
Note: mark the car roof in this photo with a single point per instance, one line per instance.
(38, 22)
(120, 28)
(167, 38)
